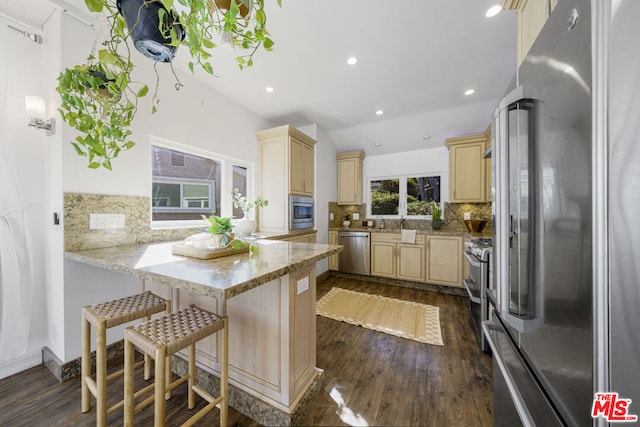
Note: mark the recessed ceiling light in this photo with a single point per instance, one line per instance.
(426, 137)
(493, 11)
(379, 113)
(378, 144)
(469, 92)
(269, 89)
(352, 60)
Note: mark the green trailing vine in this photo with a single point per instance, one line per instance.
(100, 100)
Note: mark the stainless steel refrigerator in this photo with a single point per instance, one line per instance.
(566, 277)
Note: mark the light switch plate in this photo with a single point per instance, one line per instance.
(356, 216)
(467, 215)
(106, 221)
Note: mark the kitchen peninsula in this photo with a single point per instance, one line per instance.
(270, 300)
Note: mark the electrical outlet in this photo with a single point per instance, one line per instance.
(331, 216)
(467, 215)
(106, 221)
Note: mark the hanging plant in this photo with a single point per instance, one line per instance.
(99, 98)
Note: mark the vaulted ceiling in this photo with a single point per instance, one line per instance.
(416, 58)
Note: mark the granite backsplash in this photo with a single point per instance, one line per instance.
(453, 217)
(78, 236)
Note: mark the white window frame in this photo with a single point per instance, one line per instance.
(402, 205)
(226, 180)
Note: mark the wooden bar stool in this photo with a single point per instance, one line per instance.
(104, 316)
(163, 336)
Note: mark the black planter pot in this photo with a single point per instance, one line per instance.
(143, 21)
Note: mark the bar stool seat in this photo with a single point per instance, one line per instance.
(163, 336)
(104, 316)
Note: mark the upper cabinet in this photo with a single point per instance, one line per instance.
(286, 167)
(532, 14)
(301, 166)
(467, 169)
(350, 177)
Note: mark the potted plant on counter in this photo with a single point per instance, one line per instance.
(220, 230)
(246, 225)
(346, 221)
(436, 214)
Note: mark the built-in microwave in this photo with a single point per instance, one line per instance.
(300, 212)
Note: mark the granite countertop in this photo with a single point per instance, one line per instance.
(276, 235)
(223, 277)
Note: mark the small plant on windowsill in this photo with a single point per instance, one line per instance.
(436, 214)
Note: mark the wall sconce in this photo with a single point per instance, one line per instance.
(36, 111)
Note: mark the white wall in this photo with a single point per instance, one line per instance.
(23, 152)
(431, 161)
(326, 185)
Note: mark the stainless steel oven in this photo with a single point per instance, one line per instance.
(478, 254)
(300, 212)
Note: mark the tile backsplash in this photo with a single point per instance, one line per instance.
(78, 235)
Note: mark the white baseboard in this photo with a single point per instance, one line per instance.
(10, 367)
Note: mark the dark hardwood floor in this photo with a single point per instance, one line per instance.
(371, 378)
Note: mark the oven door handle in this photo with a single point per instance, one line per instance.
(473, 296)
(472, 259)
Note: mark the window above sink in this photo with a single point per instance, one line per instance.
(406, 196)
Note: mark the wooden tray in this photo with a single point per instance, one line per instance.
(201, 253)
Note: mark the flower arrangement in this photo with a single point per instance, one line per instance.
(240, 201)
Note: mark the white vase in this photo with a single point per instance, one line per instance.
(346, 223)
(245, 226)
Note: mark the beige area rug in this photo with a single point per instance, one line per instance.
(418, 322)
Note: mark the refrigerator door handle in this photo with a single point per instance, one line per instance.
(518, 99)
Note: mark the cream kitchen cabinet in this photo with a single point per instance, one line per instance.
(467, 169)
(392, 258)
(333, 259)
(350, 177)
(444, 260)
(301, 180)
(286, 167)
(532, 14)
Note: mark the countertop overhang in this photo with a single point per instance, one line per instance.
(222, 278)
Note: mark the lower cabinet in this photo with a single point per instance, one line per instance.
(392, 258)
(432, 258)
(444, 260)
(333, 259)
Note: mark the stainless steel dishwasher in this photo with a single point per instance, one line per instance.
(356, 256)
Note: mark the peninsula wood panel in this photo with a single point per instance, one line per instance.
(303, 294)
